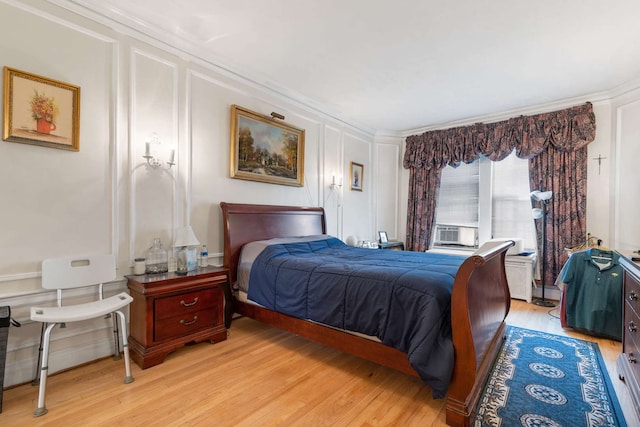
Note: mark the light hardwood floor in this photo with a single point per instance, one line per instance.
(260, 376)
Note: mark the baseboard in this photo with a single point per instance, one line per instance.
(550, 292)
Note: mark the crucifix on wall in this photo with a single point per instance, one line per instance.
(599, 159)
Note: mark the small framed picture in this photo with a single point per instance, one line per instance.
(40, 111)
(357, 176)
(383, 236)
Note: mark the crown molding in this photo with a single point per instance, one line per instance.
(117, 20)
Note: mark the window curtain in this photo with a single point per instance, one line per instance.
(564, 173)
(550, 136)
(424, 185)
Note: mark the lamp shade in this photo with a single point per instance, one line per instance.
(537, 213)
(185, 237)
(538, 195)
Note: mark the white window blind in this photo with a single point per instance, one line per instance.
(511, 203)
(459, 194)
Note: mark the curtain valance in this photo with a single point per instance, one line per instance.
(566, 130)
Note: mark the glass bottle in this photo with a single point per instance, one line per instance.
(182, 263)
(156, 258)
(204, 256)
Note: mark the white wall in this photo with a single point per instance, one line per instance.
(625, 154)
(599, 185)
(104, 199)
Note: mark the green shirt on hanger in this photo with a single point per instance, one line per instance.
(594, 292)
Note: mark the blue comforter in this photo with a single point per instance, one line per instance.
(403, 298)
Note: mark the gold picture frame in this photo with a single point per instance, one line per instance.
(356, 176)
(264, 149)
(40, 111)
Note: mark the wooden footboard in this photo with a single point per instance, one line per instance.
(480, 302)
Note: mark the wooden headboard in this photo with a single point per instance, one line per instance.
(244, 223)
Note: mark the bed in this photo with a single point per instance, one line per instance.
(479, 303)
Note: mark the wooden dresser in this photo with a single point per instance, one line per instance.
(629, 360)
(170, 310)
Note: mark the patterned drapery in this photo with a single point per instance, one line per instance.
(424, 185)
(555, 144)
(564, 173)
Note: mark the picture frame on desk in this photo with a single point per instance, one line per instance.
(383, 236)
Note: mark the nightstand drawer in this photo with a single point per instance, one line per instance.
(186, 303)
(185, 323)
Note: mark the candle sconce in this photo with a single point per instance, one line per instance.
(335, 185)
(154, 162)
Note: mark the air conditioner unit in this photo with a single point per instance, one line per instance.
(456, 236)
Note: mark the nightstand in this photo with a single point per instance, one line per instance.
(394, 246)
(170, 310)
(519, 270)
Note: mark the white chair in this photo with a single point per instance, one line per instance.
(76, 272)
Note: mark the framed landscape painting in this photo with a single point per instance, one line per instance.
(40, 111)
(264, 149)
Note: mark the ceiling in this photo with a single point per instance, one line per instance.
(404, 64)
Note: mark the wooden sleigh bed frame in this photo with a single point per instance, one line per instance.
(480, 302)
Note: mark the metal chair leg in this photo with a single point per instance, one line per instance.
(125, 347)
(36, 378)
(116, 340)
(42, 409)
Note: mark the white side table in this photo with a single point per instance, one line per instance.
(519, 269)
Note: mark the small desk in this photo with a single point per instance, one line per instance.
(394, 246)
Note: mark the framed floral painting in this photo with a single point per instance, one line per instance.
(264, 149)
(40, 111)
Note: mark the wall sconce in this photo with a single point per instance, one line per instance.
(334, 185)
(152, 160)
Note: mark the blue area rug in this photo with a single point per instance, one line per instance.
(541, 379)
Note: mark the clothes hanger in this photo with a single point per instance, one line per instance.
(603, 255)
(591, 242)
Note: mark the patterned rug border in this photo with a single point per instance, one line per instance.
(496, 393)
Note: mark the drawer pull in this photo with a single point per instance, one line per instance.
(632, 327)
(189, 304)
(191, 322)
(633, 296)
(632, 358)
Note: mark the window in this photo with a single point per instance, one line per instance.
(511, 202)
(484, 200)
(457, 210)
